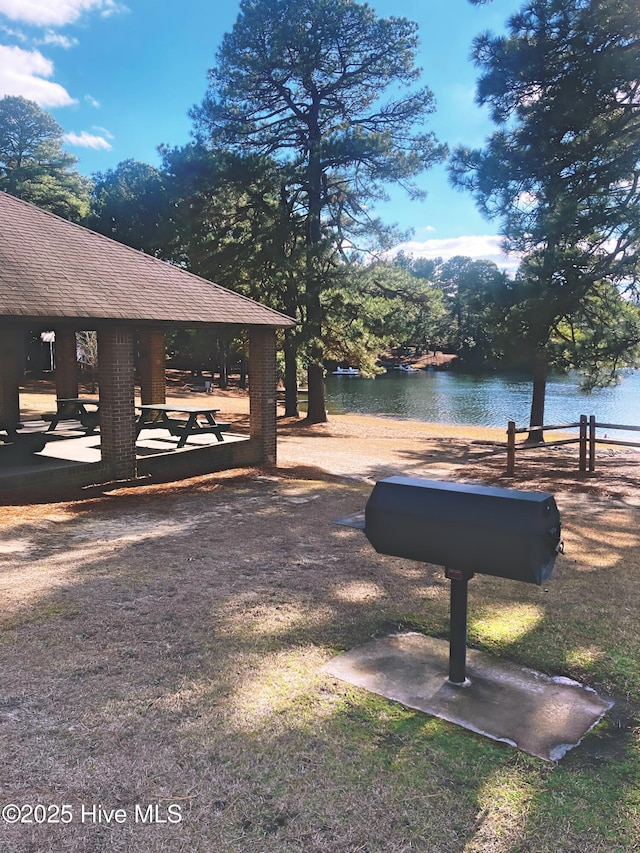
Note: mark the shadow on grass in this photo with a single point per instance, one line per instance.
(165, 645)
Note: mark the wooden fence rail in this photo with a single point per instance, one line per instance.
(586, 439)
(580, 439)
(593, 439)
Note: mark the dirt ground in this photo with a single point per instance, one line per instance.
(162, 644)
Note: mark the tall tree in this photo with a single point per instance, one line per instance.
(379, 305)
(33, 164)
(130, 204)
(601, 339)
(303, 80)
(477, 294)
(237, 225)
(562, 172)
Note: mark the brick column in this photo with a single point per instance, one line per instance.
(262, 390)
(11, 352)
(151, 349)
(117, 414)
(66, 364)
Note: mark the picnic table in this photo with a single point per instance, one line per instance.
(75, 408)
(200, 420)
(19, 447)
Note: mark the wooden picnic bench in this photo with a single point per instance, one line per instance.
(200, 421)
(75, 408)
(17, 447)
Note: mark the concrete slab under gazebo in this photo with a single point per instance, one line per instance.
(57, 276)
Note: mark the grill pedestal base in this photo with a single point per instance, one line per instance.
(536, 713)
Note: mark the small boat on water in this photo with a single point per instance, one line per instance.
(406, 368)
(346, 371)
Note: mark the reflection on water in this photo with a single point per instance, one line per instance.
(488, 399)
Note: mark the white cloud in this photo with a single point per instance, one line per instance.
(54, 13)
(57, 40)
(86, 140)
(103, 131)
(18, 35)
(24, 72)
(478, 247)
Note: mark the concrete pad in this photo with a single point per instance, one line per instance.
(84, 448)
(68, 446)
(536, 713)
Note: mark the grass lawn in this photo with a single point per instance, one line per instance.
(163, 646)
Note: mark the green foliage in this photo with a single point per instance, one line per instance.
(562, 171)
(377, 306)
(234, 225)
(130, 204)
(33, 165)
(416, 310)
(201, 350)
(600, 339)
(476, 295)
(303, 81)
(467, 302)
(237, 226)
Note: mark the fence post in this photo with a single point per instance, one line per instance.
(511, 448)
(582, 465)
(592, 443)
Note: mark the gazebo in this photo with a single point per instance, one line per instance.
(55, 275)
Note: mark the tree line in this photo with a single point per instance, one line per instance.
(313, 108)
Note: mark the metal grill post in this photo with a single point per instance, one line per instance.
(458, 630)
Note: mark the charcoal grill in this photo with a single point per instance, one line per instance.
(468, 530)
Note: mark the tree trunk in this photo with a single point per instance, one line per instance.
(290, 377)
(224, 364)
(540, 368)
(243, 373)
(316, 411)
(316, 408)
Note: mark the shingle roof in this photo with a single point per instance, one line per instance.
(51, 268)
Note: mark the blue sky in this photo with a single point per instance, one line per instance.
(120, 77)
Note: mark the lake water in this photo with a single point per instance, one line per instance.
(450, 396)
